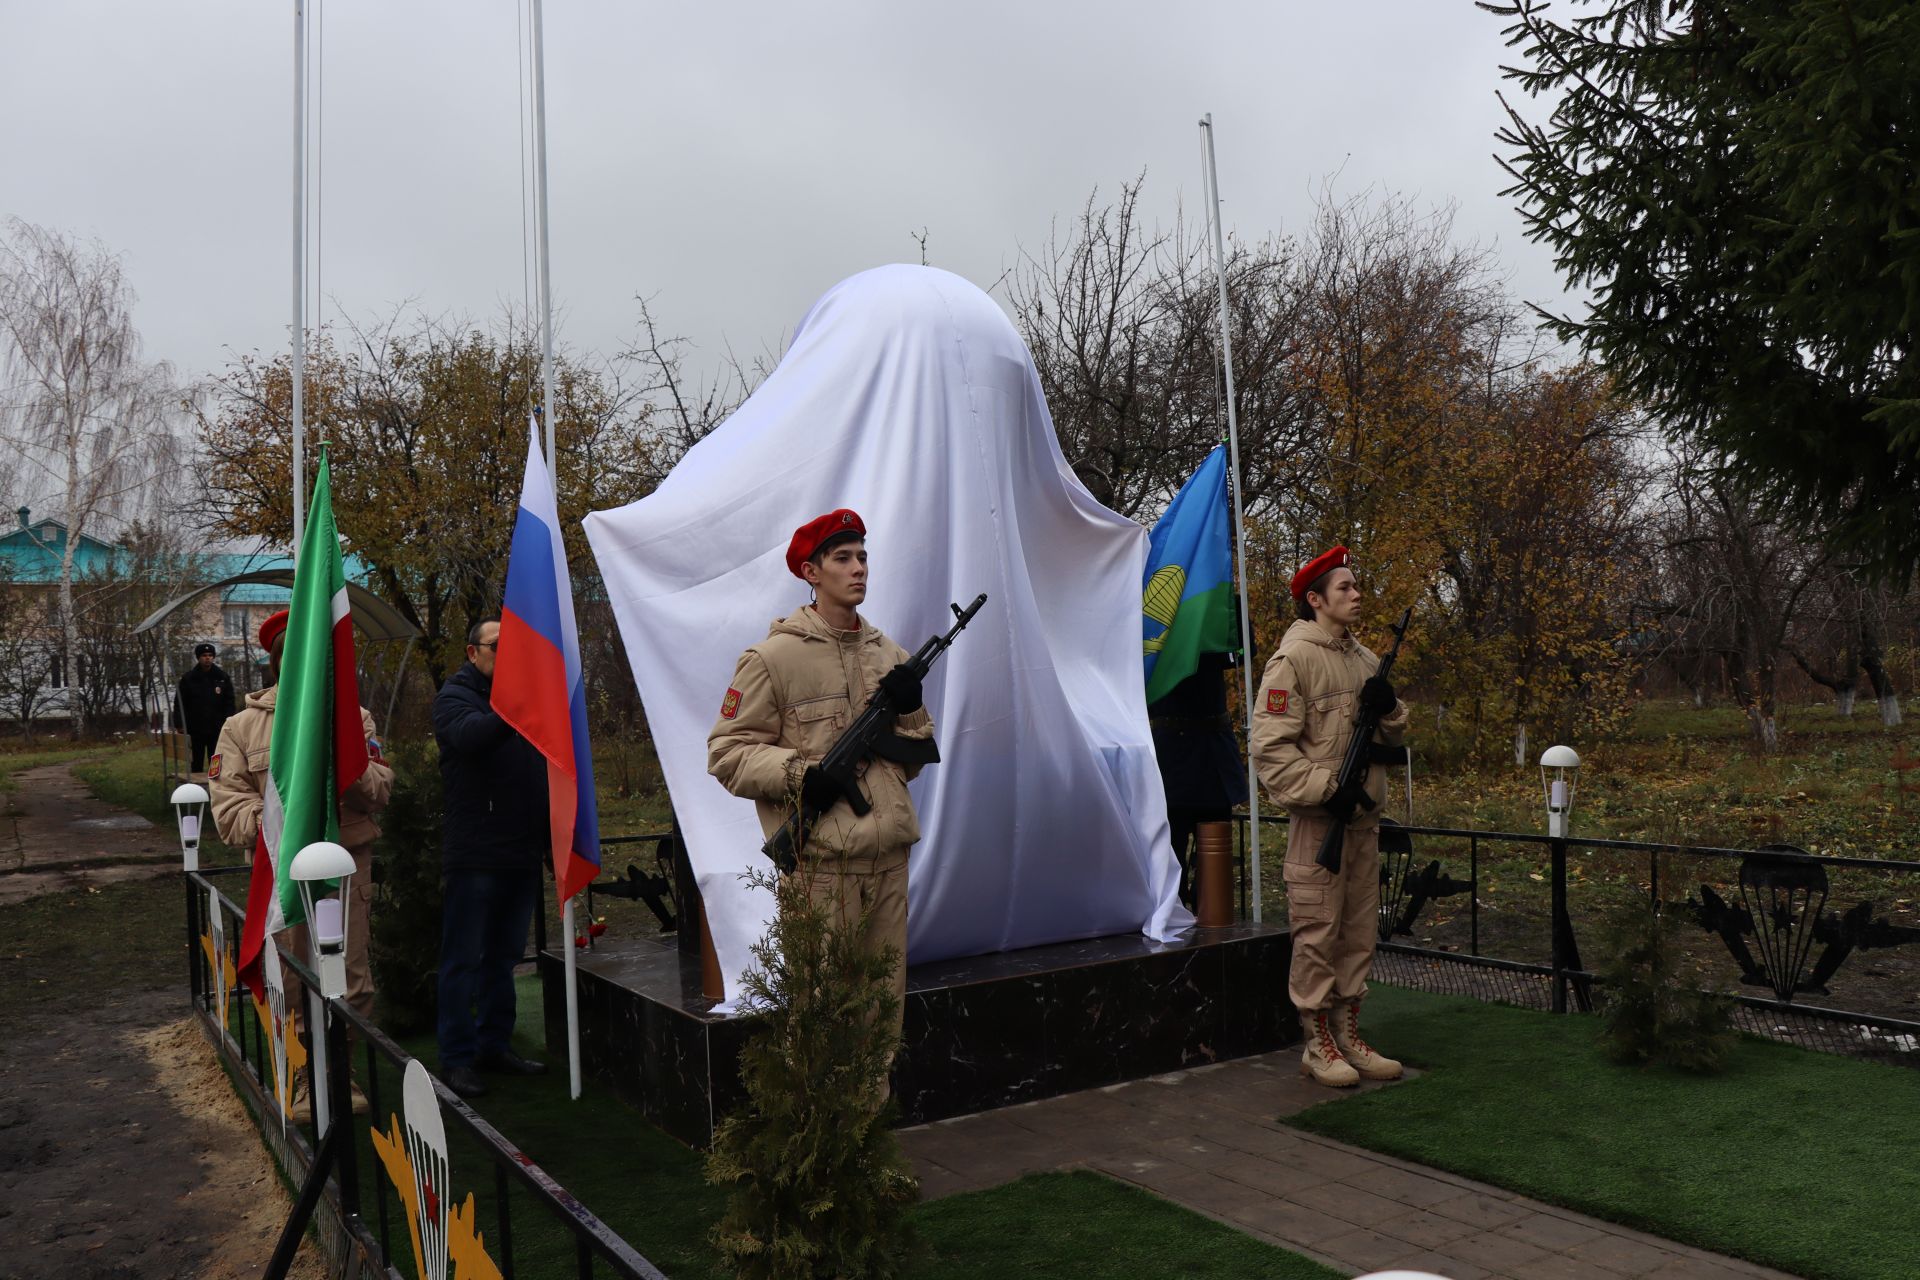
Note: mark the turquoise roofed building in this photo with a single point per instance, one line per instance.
(31, 552)
(140, 581)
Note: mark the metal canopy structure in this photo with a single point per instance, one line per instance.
(374, 617)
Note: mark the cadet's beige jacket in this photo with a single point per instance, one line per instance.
(792, 696)
(1303, 717)
(237, 778)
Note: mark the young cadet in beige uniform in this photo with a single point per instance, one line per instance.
(237, 783)
(1302, 720)
(237, 778)
(792, 696)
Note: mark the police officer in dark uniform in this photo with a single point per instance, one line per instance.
(205, 702)
(1199, 758)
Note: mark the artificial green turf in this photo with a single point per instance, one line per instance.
(649, 1188)
(642, 1183)
(1798, 1160)
(1085, 1225)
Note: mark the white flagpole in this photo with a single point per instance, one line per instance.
(553, 467)
(299, 267)
(1239, 514)
(540, 223)
(318, 1085)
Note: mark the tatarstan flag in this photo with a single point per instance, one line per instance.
(319, 746)
(1188, 600)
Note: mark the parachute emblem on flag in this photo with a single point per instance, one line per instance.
(1161, 603)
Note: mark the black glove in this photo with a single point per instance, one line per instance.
(902, 687)
(819, 792)
(1348, 799)
(1377, 697)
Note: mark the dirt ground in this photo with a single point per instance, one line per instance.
(124, 1151)
(55, 837)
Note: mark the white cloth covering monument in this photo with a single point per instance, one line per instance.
(907, 395)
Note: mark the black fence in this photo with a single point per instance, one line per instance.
(501, 1201)
(1817, 951)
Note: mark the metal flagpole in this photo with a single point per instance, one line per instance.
(299, 269)
(553, 467)
(1239, 513)
(316, 1007)
(540, 224)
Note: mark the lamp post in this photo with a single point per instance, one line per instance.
(327, 921)
(327, 924)
(188, 800)
(312, 868)
(1559, 771)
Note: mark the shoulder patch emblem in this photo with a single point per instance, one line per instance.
(1277, 702)
(730, 705)
(213, 767)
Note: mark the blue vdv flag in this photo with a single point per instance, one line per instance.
(1187, 606)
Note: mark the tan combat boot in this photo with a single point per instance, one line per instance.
(1321, 1060)
(1358, 1053)
(301, 1111)
(300, 1104)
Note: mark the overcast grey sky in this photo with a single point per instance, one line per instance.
(731, 160)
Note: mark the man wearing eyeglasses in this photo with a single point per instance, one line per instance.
(493, 834)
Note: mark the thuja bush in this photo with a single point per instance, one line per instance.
(1656, 1013)
(404, 947)
(818, 1184)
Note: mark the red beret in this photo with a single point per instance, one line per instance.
(1317, 567)
(808, 537)
(270, 629)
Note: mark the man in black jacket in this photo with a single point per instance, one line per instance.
(493, 844)
(1199, 760)
(205, 702)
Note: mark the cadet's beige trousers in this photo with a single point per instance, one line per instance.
(1335, 918)
(880, 895)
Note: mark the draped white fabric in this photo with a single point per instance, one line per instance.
(907, 396)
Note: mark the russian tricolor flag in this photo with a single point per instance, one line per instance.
(536, 675)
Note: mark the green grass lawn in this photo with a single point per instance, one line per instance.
(1797, 1160)
(1685, 775)
(128, 776)
(19, 757)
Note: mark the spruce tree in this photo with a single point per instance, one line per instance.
(1733, 182)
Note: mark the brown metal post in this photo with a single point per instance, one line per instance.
(712, 985)
(1213, 874)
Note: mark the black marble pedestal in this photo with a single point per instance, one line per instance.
(982, 1032)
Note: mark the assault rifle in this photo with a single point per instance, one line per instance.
(871, 734)
(1362, 754)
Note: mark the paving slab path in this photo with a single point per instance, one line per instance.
(1212, 1139)
(56, 836)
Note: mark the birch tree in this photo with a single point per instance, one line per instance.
(87, 417)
